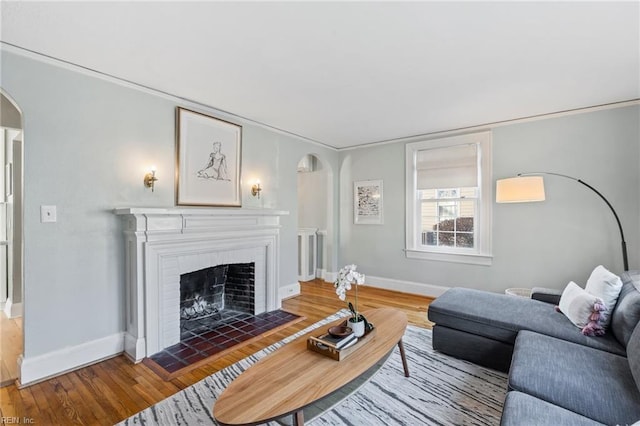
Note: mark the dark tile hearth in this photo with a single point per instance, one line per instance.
(207, 337)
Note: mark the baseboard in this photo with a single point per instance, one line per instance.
(38, 368)
(412, 287)
(12, 310)
(329, 277)
(288, 291)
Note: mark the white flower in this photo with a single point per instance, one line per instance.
(346, 277)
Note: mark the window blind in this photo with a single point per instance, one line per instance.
(450, 167)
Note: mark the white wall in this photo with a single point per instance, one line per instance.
(535, 244)
(87, 144)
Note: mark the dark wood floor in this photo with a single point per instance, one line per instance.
(112, 390)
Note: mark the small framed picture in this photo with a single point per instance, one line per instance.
(208, 161)
(367, 202)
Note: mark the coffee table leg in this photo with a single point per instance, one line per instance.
(298, 418)
(404, 358)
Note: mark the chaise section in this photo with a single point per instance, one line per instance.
(480, 350)
(522, 409)
(556, 374)
(592, 383)
(488, 323)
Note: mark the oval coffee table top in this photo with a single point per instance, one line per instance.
(294, 377)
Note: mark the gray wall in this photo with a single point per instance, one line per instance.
(546, 244)
(87, 144)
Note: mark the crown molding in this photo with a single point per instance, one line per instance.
(182, 101)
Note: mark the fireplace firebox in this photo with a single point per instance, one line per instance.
(206, 294)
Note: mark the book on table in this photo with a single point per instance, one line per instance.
(348, 346)
(338, 342)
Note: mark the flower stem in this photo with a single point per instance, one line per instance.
(357, 314)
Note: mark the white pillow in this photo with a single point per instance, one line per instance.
(607, 286)
(582, 309)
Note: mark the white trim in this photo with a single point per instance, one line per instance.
(12, 310)
(481, 254)
(51, 60)
(38, 368)
(288, 291)
(412, 287)
(329, 277)
(195, 104)
(471, 259)
(496, 124)
(320, 273)
(307, 253)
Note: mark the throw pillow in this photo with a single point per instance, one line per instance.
(605, 285)
(583, 309)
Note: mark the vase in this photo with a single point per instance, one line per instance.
(357, 327)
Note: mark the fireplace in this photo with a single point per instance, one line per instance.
(162, 245)
(207, 293)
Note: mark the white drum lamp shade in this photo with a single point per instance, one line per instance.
(521, 189)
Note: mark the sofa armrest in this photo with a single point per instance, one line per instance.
(548, 295)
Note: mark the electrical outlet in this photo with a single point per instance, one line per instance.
(48, 214)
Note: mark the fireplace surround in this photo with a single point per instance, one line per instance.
(163, 244)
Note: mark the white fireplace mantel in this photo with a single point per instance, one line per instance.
(162, 243)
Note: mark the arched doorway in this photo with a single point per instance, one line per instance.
(315, 219)
(11, 266)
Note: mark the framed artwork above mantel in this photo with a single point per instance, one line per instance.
(209, 152)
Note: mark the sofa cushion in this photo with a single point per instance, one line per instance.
(626, 314)
(500, 317)
(589, 382)
(633, 354)
(522, 409)
(605, 285)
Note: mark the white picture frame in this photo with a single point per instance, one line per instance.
(368, 202)
(209, 152)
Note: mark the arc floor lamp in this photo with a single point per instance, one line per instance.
(528, 187)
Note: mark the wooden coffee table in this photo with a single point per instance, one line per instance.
(293, 377)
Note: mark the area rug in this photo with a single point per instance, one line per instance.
(441, 391)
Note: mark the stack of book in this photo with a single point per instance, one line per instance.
(337, 348)
(339, 342)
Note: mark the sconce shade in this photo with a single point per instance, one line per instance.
(521, 189)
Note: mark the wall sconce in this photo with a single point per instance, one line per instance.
(256, 188)
(150, 178)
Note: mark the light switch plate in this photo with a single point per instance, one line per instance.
(48, 214)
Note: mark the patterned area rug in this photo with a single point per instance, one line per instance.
(441, 391)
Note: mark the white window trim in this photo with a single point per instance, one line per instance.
(481, 255)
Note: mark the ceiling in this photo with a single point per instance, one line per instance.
(351, 73)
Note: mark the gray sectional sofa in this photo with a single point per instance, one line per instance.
(556, 374)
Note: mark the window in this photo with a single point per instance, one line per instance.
(449, 199)
(447, 217)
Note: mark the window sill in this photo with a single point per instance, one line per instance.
(471, 259)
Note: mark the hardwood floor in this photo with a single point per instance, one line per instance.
(10, 348)
(112, 390)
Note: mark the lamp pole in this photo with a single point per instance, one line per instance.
(624, 244)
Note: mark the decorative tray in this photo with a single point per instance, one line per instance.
(324, 345)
